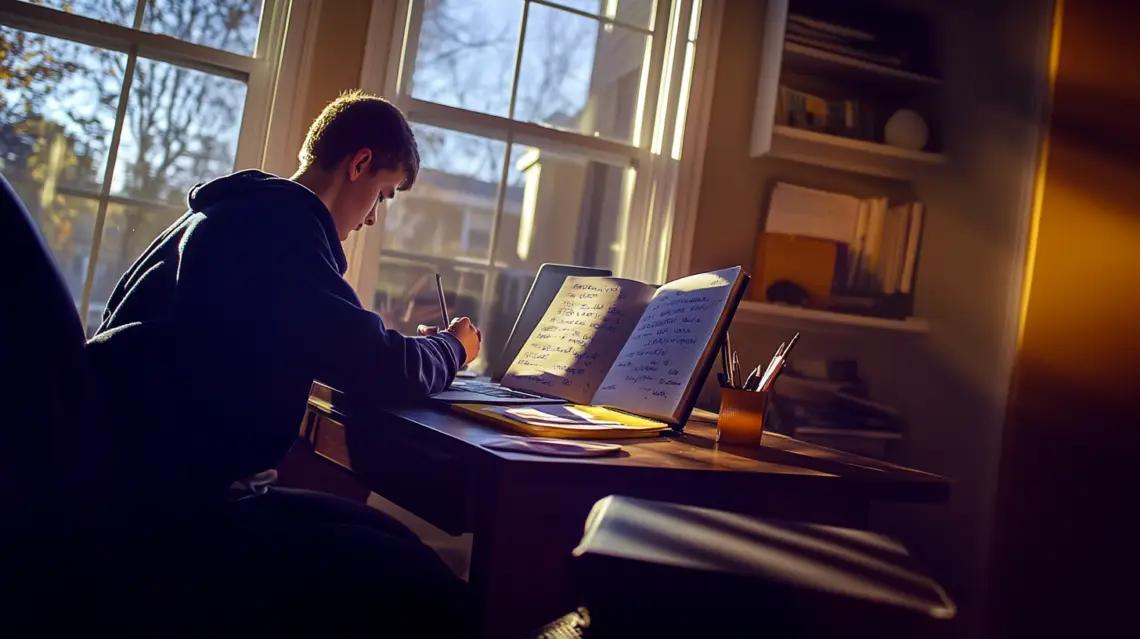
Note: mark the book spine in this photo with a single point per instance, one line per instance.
(909, 270)
(858, 246)
(898, 247)
(878, 210)
(887, 249)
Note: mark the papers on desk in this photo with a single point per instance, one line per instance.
(566, 421)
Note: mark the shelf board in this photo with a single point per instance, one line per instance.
(849, 154)
(753, 312)
(805, 52)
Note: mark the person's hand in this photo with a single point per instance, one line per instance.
(466, 332)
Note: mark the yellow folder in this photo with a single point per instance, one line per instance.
(565, 421)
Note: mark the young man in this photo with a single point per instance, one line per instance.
(232, 312)
(211, 340)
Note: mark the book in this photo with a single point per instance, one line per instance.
(798, 210)
(629, 346)
(906, 285)
(810, 262)
(835, 116)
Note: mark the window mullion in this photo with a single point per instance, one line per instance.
(498, 128)
(405, 48)
(518, 60)
(500, 201)
(652, 85)
(254, 128)
(140, 11)
(108, 174)
(501, 195)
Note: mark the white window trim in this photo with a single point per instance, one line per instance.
(651, 218)
(691, 167)
(285, 128)
(258, 71)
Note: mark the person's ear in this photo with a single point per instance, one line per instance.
(359, 164)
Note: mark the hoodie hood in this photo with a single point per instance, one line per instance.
(266, 188)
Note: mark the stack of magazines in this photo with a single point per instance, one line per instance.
(843, 40)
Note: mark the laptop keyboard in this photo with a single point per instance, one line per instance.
(491, 390)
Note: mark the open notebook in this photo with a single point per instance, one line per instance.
(629, 346)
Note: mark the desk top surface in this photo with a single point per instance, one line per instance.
(693, 451)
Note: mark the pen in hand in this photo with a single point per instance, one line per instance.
(442, 300)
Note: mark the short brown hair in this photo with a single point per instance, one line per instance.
(357, 120)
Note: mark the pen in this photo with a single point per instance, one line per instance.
(731, 372)
(736, 381)
(791, 343)
(753, 381)
(442, 300)
(778, 367)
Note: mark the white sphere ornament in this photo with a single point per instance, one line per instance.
(906, 129)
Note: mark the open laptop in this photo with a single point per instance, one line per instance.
(546, 285)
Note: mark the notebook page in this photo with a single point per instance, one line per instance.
(655, 368)
(574, 345)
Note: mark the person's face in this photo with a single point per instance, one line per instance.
(364, 191)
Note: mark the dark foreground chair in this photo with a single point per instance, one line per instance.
(653, 569)
(77, 553)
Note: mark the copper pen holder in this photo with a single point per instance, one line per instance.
(742, 416)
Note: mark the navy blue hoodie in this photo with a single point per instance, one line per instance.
(211, 339)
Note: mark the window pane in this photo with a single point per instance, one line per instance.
(230, 25)
(57, 111)
(120, 12)
(181, 128)
(406, 295)
(563, 208)
(466, 53)
(638, 13)
(578, 75)
(451, 208)
(127, 230)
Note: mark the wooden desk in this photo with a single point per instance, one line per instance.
(527, 512)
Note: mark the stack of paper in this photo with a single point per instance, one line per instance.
(567, 421)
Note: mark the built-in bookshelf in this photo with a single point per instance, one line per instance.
(847, 154)
(826, 91)
(832, 75)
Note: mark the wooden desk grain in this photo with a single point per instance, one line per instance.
(527, 512)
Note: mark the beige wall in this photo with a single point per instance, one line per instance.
(951, 383)
(342, 30)
(1065, 545)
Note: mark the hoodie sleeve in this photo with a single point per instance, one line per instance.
(353, 350)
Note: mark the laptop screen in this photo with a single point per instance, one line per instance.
(546, 285)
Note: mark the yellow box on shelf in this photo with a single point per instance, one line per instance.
(808, 262)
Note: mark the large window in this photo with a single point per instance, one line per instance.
(110, 110)
(549, 132)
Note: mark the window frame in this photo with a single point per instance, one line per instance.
(387, 59)
(259, 71)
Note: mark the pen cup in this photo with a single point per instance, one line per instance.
(742, 414)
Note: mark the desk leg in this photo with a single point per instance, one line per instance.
(520, 564)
